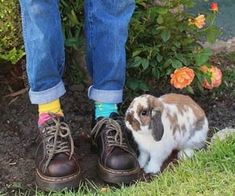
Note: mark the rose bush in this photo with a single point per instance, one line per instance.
(165, 41)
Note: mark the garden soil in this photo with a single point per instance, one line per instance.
(18, 130)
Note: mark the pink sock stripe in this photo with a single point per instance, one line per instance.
(43, 118)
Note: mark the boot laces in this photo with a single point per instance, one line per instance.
(56, 135)
(113, 132)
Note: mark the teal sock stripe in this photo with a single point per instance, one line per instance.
(104, 109)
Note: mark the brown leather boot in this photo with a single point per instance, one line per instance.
(117, 160)
(56, 164)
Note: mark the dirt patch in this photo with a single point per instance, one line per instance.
(18, 130)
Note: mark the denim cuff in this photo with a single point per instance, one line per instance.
(48, 95)
(106, 96)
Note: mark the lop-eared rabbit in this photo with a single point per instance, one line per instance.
(161, 125)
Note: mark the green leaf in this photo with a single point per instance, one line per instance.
(73, 18)
(143, 86)
(132, 83)
(72, 42)
(160, 19)
(161, 10)
(159, 58)
(136, 63)
(141, 3)
(169, 71)
(189, 89)
(203, 56)
(136, 84)
(165, 35)
(212, 33)
(199, 86)
(145, 63)
(210, 18)
(136, 52)
(181, 27)
(181, 58)
(177, 44)
(200, 76)
(156, 73)
(176, 63)
(160, 28)
(167, 63)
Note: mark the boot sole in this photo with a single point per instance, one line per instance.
(118, 176)
(46, 183)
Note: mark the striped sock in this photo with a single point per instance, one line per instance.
(104, 109)
(45, 110)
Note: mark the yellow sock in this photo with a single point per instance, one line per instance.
(51, 107)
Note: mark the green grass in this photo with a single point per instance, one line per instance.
(209, 172)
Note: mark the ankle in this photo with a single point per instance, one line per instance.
(105, 109)
(44, 117)
(45, 110)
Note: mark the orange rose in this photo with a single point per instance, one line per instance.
(199, 21)
(182, 77)
(214, 7)
(216, 77)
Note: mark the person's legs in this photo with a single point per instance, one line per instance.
(106, 26)
(56, 165)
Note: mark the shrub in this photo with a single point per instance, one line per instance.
(164, 38)
(11, 49)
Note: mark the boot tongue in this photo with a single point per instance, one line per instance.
(114, 115)
(51, 122)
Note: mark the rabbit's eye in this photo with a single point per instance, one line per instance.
(144, 113)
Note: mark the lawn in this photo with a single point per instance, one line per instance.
(209, 172)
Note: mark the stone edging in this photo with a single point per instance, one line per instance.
(222, 46)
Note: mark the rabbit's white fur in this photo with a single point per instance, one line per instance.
(183, 126)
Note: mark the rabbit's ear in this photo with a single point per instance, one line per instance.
(155, 103)
(156, 125)
(131, 122)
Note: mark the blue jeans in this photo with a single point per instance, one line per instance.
(106, 29)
